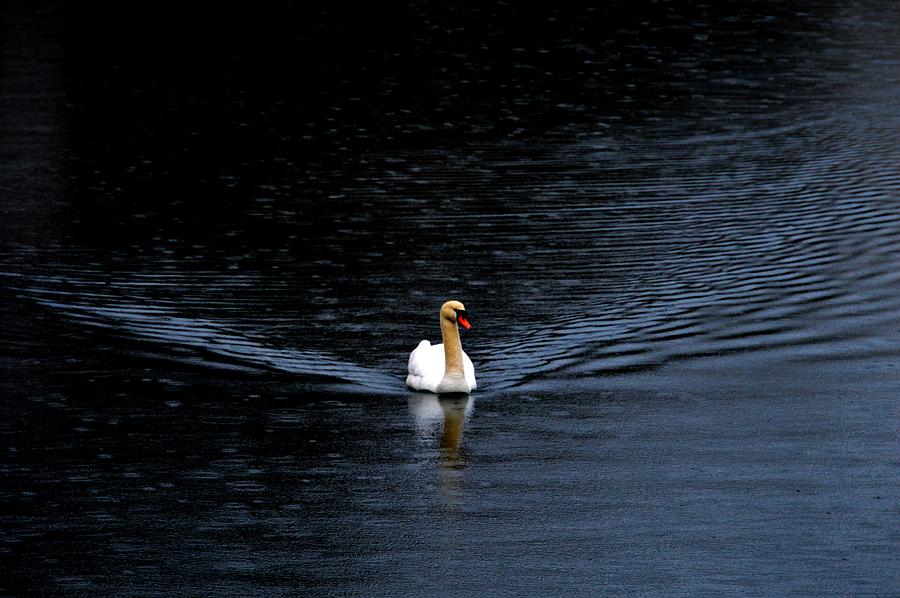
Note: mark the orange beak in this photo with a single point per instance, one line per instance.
(464, 322)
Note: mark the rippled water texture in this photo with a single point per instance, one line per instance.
(676, 228)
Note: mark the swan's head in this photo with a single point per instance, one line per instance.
(456, 313)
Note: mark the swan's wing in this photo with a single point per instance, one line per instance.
(418, 357)
(426, 366)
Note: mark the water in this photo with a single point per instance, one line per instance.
(675, 227)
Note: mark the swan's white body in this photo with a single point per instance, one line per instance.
(443, 368)
(426, 371)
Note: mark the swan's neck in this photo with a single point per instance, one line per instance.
(453, 360)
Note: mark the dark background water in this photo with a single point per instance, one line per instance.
(675, 225)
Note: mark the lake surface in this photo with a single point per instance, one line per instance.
(676, 228)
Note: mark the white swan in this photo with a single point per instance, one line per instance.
(443, 368)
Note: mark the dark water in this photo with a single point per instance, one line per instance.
(675, 226)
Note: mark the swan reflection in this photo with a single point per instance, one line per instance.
(442, 417)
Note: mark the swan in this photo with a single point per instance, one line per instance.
(443, 368)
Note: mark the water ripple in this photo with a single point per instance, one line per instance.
(754, 222)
